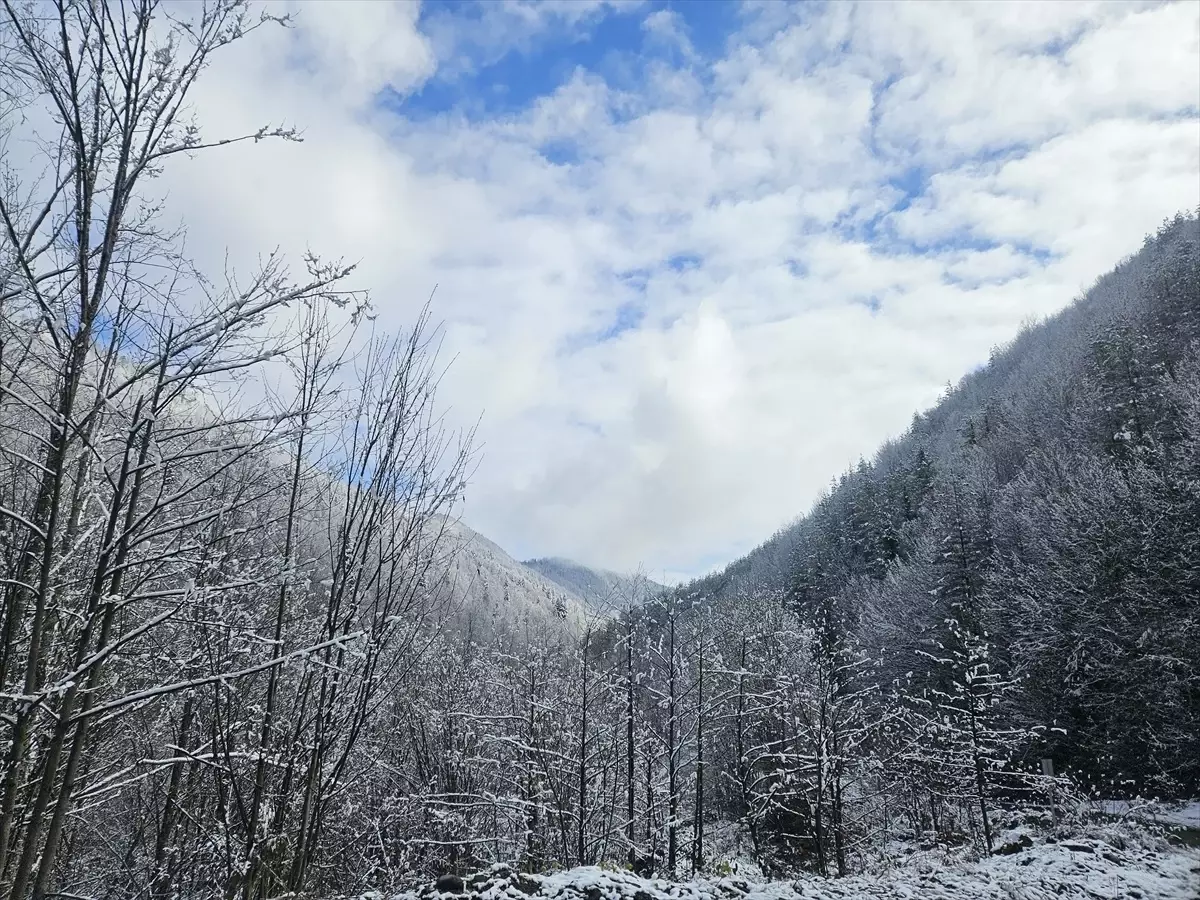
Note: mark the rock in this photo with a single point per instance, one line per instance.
(449, 884)
(526, 884)
(1014, 842)
(477, 881)
(643, 865)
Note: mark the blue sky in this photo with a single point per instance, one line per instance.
(614, 44)
(621, 45)
(695, 259)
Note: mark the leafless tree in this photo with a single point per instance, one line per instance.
(161, 523)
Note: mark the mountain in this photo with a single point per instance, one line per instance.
(597, 587)
(1031, 545)
(489, 586)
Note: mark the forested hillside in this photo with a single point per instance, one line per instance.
(1015, 579)
(235, 658)
(602, 589)
(1040, 525)
(491, 590)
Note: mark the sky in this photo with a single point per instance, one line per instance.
(694, 260)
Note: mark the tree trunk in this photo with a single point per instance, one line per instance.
(629, 743)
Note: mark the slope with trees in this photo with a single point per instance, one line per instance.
(232, 663)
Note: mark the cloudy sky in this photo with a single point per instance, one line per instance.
(695, 259)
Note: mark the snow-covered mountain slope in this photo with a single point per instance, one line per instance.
(490, 587)
(599, 588)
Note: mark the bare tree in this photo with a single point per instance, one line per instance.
(148, 513)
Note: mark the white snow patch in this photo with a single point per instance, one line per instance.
(1176, 815)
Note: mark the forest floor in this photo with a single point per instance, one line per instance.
(1110, 863)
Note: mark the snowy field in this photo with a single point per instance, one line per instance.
(1110, 864)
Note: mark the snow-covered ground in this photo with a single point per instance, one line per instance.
(1186, 815)
(1110, 864)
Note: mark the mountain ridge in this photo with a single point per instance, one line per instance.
(487, 582)
(600, 588)
(1047, 508)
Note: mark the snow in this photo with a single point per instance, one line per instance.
(1015, 839)
(1186, 815)
(488, 582)
(1109, 864)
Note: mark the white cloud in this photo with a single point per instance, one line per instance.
(769, 316)
(973, 79)
(668, 28)
(361, 46)
(466, 43)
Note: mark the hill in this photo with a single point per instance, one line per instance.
(489, 586)
(1042, 521)
(597, 587)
